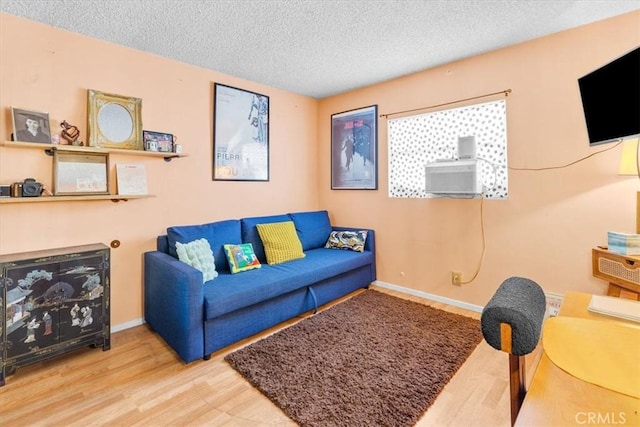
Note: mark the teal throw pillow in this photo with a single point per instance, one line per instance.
(241, 257)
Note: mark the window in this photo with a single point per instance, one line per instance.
(414, 141)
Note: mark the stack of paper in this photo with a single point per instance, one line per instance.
(624, 243)
(617, 307)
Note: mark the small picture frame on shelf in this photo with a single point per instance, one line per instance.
(30, 126)
(157, 141)
(80, 174)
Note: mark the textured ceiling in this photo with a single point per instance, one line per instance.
(313, 47)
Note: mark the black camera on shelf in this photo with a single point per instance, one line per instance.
(27, 188)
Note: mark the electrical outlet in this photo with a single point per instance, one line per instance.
(554, 301)
(456, 278)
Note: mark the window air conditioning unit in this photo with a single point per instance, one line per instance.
(455, 177)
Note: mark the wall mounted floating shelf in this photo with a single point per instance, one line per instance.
(49, 149)
(45, 199)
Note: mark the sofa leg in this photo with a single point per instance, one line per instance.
(206, 357)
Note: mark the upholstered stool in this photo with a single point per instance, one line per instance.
(511, 322)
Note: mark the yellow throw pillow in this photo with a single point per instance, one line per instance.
(281, 242)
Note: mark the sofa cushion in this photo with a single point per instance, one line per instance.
(241, 257)
(349, 240)
(231, 292)
(281, 242)
(313, 228)
(250, 232)
(216, 233)
(198, 255)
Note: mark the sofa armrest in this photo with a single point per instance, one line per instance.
(174, 303)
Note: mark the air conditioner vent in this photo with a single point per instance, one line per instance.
(456, 177)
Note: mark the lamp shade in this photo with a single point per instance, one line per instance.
(629, 158)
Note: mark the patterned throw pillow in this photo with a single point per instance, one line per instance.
(349, 240)
(241, 257)
(198, 254)
(281, 242)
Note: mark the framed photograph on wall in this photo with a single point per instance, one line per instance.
(30, 126)
(354, 149)
(240, 135)
(76, 173)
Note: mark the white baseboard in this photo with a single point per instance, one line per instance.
(127, 325)
(432, 297)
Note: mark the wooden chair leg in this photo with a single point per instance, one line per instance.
(517, 384)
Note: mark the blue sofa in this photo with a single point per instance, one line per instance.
(197, 319)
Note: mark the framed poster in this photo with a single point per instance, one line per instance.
(240, 135)
(354, 149)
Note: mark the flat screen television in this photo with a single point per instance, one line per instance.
(611, 99)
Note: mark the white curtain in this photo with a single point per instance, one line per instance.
(414, 141)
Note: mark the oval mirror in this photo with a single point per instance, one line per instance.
(115, 122)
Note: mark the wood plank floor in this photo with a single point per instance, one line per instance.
(141, 382)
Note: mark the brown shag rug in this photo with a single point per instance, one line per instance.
(373, 360)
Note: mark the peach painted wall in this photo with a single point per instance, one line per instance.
(545, 230)
(47, 69)
(551, 220)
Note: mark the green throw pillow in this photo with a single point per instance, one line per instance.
(281, 242)
(241, 257)
(349, 240)
(198, 254)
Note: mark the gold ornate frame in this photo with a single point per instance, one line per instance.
(115, 121)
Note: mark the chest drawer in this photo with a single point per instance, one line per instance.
(623, 270)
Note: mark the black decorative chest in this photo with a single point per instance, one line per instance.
(52, 302)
